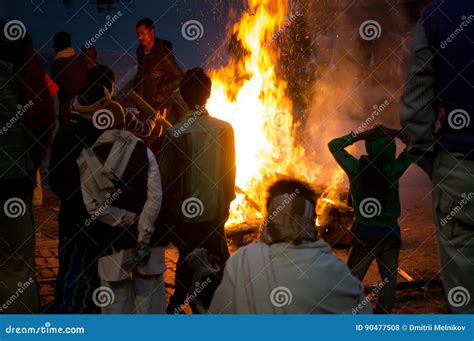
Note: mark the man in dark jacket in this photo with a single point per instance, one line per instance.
(69, 71)
(158, 73)
(437, 113)
(197, 164)
(26, 118)
(78, 250)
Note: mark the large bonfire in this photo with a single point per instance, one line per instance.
(248, 94)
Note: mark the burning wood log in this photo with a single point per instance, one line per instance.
(242, 234)
(249, 200)
(335, 222)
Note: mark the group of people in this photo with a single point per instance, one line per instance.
(131, 186)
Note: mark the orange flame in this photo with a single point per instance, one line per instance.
(247, 94)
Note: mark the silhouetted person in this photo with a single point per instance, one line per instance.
(158, 76)
(197, 163)
(69, 71)
(26, 124)
(437, 114)
(376, 201)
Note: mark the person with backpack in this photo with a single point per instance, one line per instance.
(121, 190)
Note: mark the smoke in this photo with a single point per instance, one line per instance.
(359, 54)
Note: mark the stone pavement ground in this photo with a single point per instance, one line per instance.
(419, 257)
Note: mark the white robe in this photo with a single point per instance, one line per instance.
(288, 279)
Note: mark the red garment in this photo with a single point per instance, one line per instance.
(36, 88)
(52, 86)
(70, 73)
(37, 102)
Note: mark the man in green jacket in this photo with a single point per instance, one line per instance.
(376, 202)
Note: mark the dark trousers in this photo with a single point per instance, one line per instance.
(386, 253)
(17, 256)
(188, 237)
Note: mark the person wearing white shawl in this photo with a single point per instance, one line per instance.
(291, 271)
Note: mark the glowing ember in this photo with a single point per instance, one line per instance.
(247, 94)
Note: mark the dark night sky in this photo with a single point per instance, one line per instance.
(83, 19)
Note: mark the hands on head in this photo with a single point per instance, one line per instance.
(378, 131)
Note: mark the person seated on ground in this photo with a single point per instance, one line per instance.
(291, 271)
(121, 189)
(105, 76)
(376, 202)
